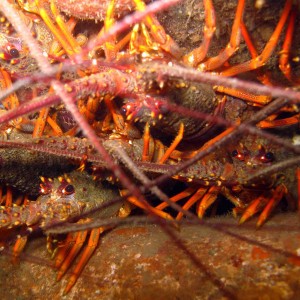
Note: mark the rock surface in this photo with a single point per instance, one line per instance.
(142, 262)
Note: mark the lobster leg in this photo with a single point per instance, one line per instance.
(198, 195)
(62, 34)
(5, 82)
(260, 60)
(37, 8)
(157, 32)
(263, 77)
(253, 208)
(55, 127)
(65, 30)
(109, 46)
(198, 54)
(284, 56)
(280, 122)
(117, 118)
(153, 150)
(187, 192)
(64, 248)
(87, 253)
(263, 203)
(146, 143)
(173, 146)
(238, 203)
(277, 196)
(1, 195)
(80, 239)
(56, 49)
(217, 61)
(112, 47)
(148, 208)
(40, 122)
(18, 248)
(208, 199)
(9, 197)
(252, 98)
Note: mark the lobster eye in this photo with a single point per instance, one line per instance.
(14, 52)
(268, 157)
(123, 111)
(238, 155)
(68, 190)
(164, 109)
(234, 153)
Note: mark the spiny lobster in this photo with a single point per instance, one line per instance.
(223, 169)
(161, 71)
(65, 199)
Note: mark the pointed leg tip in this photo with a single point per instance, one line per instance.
(67, 290)
(59, 276)
(242, 220)
(70, 284)
(259, 223)
(201, 213)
